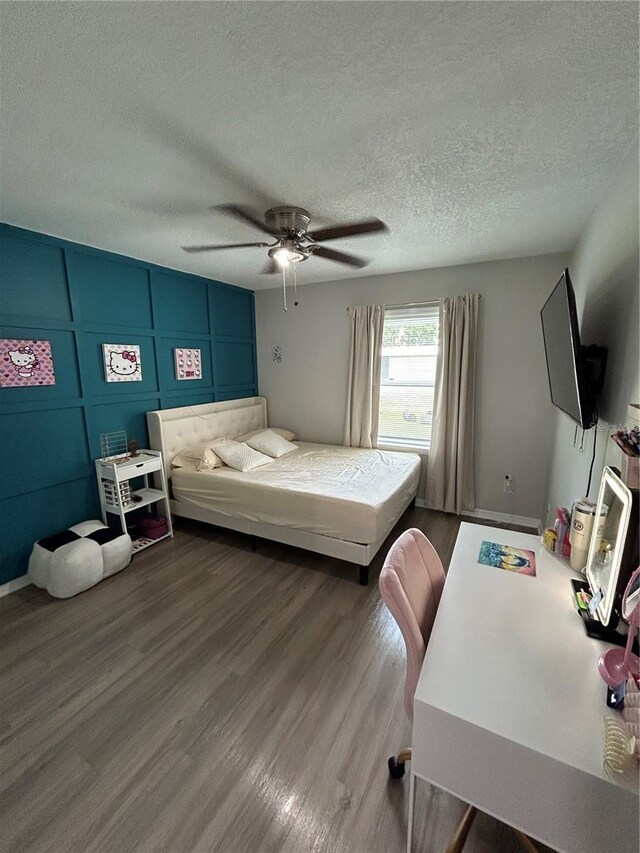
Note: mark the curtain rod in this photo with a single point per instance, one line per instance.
(433, 303)
(413, 304)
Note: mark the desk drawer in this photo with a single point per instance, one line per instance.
(146, 467)
(130, 469)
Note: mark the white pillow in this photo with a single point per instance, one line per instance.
(285, 433)
(268, 441)
(199, 458)
(240, 456)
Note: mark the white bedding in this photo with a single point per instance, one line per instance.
(343, 492)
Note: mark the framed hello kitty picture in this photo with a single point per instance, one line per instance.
(122, 363)
(25, 363)
(188, 363)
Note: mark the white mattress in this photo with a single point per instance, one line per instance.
(343, 492)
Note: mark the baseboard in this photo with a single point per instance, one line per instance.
(14, 585)
(490, 515)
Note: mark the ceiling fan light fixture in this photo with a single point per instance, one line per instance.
(284, 255)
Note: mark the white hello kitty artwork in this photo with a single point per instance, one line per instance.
(188, 363)
(122, 363)
(24, 363)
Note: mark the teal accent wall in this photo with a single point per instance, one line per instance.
(78, 298)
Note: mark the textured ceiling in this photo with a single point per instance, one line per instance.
(475, 130)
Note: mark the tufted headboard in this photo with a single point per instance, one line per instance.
(173, 430)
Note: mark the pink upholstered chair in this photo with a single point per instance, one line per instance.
(411, 584)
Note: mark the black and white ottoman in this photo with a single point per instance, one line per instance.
(78, 558)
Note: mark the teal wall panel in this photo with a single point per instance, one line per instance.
(33, 280)
(172, 401)
(79, 298)
(232, 393)
(235, 363)
(32, 516)
(108, 292)
(39, 452)
(232, 312)
(129, 415)
(180, 303)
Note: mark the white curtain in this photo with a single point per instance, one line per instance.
(450, 479)
(363, 390)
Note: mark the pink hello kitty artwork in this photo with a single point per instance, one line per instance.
(188, 363)
(122, 363)
(25, 363)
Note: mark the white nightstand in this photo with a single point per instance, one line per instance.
(117, 496)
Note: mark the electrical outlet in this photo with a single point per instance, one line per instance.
(507, 486)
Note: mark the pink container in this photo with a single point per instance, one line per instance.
(152, 527)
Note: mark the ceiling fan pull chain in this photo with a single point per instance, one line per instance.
(284, 289)
(295, 286)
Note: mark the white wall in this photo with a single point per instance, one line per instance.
(604, 271)
(307, 391)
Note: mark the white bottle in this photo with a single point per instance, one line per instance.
(582, 517)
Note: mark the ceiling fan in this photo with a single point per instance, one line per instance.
(293, 242)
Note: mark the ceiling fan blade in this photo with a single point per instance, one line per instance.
(217, 248)
(340, 257)
(348, 229)
(244, 214)
(270, 267)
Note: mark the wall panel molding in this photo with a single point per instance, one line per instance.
(79, 297)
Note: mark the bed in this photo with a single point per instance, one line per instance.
(338, 501)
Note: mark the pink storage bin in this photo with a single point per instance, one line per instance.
(152, 527)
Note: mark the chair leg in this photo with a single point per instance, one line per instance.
(526, 842)
(363, 576)
(462, 830)
(397, 762)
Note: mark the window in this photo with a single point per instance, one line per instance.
(408, 374)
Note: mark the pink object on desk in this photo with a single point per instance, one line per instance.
(615, 665)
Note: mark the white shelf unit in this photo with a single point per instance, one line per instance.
(117, 497)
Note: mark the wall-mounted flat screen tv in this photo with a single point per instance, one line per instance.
(565, 362)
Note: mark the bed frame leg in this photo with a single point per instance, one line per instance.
(363, 576)
(254, 543)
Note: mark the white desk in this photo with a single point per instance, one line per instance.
(508, 711)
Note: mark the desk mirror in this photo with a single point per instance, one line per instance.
(607, 541)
